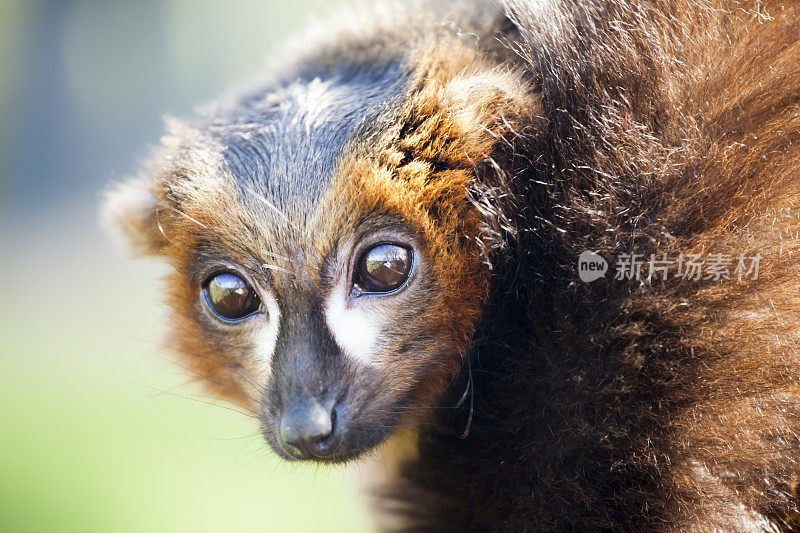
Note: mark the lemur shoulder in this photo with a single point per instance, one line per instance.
(380, 237)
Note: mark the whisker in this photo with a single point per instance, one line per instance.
(164, 234)
(471, 390)
(238, 368)
(243, 437)
(274, 208)
(249, 414)
(275, 267)
(279, 256)
(218, 383)
(178, 211)
(240, 371)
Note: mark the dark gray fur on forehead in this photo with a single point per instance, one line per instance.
(283, 142)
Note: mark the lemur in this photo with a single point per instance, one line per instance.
(375, 245)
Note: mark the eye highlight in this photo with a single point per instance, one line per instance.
(382, 268)
(230, 297)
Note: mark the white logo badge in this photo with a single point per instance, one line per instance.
(591, 266)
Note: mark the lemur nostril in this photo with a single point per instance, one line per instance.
(305, 427)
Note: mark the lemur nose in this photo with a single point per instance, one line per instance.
(305, 427)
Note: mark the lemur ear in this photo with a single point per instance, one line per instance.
(460, 110)
(130, 213)
(489, 103)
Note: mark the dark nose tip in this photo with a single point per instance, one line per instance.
(305, 428)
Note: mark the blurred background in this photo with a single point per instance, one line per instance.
(99, 431)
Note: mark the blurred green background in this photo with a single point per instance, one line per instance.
(99, 431)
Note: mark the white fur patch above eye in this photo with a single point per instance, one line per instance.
(355, 330)
(267, 337)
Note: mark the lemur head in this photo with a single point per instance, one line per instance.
(329, 240)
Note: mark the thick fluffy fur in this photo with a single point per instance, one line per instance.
(505, 141)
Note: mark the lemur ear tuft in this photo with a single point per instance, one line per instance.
(130, 214)
(490, 104)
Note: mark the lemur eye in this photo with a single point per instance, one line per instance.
(230, 297)
(383, 268)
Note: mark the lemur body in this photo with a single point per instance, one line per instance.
(384, 235)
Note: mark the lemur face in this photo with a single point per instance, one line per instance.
(341, 332)
(329, 245)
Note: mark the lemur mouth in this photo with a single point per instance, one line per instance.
(329, 451)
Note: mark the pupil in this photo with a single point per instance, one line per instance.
(385, 267)
(230, 297)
